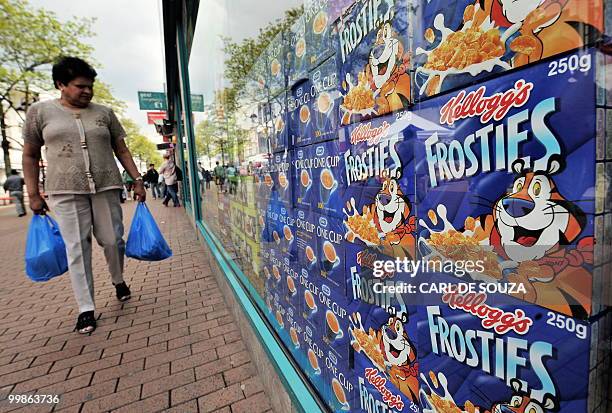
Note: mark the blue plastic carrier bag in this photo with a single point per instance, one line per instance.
(145, 241)
(45, 254)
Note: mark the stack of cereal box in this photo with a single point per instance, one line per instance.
(439, 133)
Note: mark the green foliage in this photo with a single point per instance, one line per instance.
(103, 95)
(31, 40)
(240, 56)
(140, 146)
(207, 138)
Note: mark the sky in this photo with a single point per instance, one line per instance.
(129, 47)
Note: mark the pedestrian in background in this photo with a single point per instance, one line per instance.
(232, 177)
(14, 186)
(128, 182)
(168, 171)
(201, 180)
(81, 142)
(152, 178)
(207, 178)
(219, 173)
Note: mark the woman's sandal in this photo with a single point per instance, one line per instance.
(86, 323)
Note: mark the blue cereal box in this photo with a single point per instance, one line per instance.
(385, 361)
(293, 288)
(378, 165)
(279, 134)
(318, 32)
(304, 190)
(280, 171)
(313, 359)
(327, 309)
(299, 113)
(330, 232)
(297, 52)
(478, 356)
(281, 221)
(325, 101)
(373, 57)
(306, 244)
(318, 178)
(276, 64)
(383, 328)
(512, 178)
(460, 42)
(340, 389)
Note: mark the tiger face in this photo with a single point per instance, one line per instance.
(533, 217)
(522, 402)
(392, 207)
(385, 55)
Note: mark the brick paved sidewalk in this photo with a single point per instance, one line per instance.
(172, 347)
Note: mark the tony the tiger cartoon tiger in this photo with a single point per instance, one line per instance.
(538, 229)
(391, 217)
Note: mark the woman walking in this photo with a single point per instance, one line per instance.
(169, 171)
(83, 182)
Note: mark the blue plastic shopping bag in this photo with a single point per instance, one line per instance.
(45, 254)
(145, 241)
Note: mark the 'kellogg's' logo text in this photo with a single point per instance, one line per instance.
(475, 103)
(394, 401)
(365, 132)
(492, 318)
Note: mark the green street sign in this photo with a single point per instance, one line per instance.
(197, 103)
(152, 100)
(157, 101)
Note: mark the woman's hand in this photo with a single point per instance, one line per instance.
(139, 191)
(38, 205)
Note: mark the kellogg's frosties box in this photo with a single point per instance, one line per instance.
(383, 336)
(459, 42)
(318, 32)
(378, 171)
(297, 52)
(385, 360)
(373, 57)
(514, 180)
(475, 356)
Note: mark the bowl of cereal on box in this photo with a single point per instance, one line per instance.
(320, 22)
(460, 245)
(478, 46)
(359, 100)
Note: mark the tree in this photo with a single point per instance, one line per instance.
(140, 146)
(103, 95)
(30, 40)
(206, 138)
(240, 56)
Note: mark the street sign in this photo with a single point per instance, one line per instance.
(197, 103)
(152, 101)
(155, 116)
(157, 101)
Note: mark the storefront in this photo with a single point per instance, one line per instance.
(408, 201)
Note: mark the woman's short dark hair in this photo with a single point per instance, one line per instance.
(69, 68)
